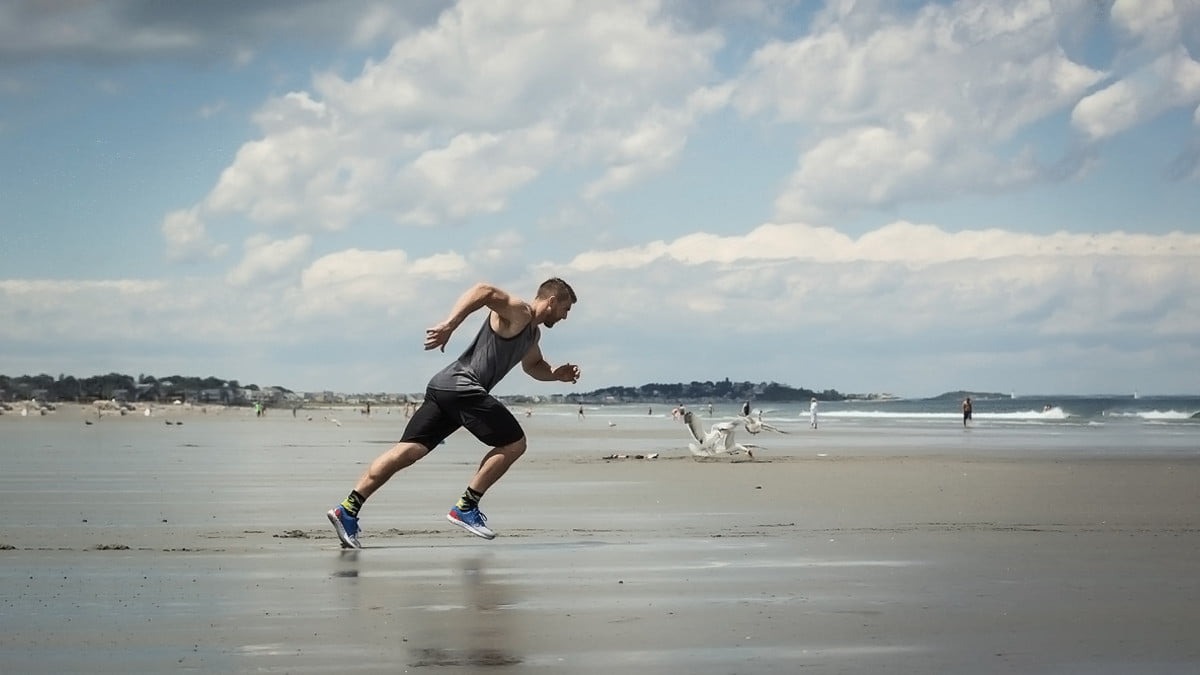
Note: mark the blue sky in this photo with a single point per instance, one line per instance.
(862, 195)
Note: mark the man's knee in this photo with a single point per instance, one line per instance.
(514, 449)
(405, 453)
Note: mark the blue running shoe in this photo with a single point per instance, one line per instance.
(471, 520)
(345, 525)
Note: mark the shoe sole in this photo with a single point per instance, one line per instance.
(343, 535)
(470, 528)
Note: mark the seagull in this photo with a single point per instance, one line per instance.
(716, 441)
(753, 421)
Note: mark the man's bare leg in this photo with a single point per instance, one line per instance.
(344, 516)
(399, 456)
(495, 463)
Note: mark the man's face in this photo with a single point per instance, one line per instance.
(559, 309)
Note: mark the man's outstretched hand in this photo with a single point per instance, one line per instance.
(567, 373)
(438, 336)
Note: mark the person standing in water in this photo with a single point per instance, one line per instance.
(966, 408)
(812, 413)
(459, 396)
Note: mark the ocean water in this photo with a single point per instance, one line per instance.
(1024, 426)
(1071, 409)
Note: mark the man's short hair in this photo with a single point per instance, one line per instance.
(558, 288)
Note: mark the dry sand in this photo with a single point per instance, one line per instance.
(933, 564)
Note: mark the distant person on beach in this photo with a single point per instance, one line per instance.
(966, 406)
(581, 411)
(459, 396)
(812, 413)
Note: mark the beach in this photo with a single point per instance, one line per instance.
(132, 545)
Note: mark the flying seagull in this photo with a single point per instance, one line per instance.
(716, 441)
(752, 419)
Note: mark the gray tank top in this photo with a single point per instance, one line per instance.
(486, 361)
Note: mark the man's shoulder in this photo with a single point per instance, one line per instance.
(514, 322)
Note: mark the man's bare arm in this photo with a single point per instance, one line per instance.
(537, 368)
(510, 309)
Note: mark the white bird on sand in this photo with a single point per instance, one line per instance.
(752, 419)
(716, 441)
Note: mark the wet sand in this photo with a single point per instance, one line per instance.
(861, 562)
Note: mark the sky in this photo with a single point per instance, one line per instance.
(862, 195)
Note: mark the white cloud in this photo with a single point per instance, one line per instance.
(904, 107)
(187, 236)
(301, 173)
(904, 289)
(94, 311)
(655, 143)
(996, 67)
(385, 21)
(461, 115)
(1154, 23)
(1170, 81)
(472, 173)
(501, 249)
(921, 157)
(785, 302)
(356, 281)
(265, 258)
(912, 245)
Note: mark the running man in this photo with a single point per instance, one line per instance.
(459, 396)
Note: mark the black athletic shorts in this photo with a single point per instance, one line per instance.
(443, 412)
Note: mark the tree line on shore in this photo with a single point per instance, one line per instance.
(150, 388)
(723, 390)
(109, 386)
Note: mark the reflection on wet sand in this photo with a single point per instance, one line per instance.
(464, 621)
